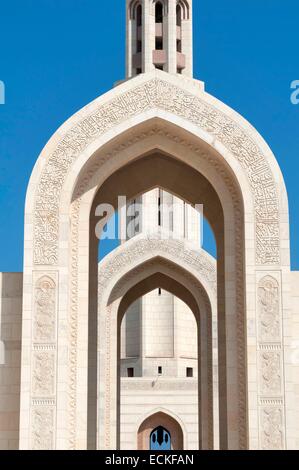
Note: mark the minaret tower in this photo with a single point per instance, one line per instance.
(159, 35)
(159, 332)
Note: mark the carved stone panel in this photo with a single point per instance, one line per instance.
(44, 357)
(43, 383)
(272, 428)
(44, 312)
(268, 309)
(270, 373)
(42, 428)
(270, 362)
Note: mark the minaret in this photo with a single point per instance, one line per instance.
(159, 35)
(159, 331)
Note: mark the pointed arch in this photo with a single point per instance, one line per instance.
(133, 9)
(185, 9)
(165, 420)
(164, 4)
(225, 148)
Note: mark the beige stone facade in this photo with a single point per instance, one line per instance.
(158, 130)
(11, 286)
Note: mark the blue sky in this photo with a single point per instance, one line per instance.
(58, 55)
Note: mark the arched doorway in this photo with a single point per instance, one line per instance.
(129, 273)
(160, 431)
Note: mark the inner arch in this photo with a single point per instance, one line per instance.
(166, 421)
(173, 174)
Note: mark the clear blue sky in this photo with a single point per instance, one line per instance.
(58, 55)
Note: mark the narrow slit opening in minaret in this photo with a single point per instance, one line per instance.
(159, 203)
(159, 12)
(139, 16)
(189, 372)
(179, 45)
(159, 44)
(178, 16)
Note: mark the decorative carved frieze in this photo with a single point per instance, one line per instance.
(43, 383)
(44, 356)
(154, 243)
(268, 305)
(270, 363)
(42, 428)
(44, 316)
(272, 436)
(270, 373)
(160, 94)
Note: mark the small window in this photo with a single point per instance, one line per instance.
(159, 199)
(179, 45)
(159, 370)
(178, 15)
(130, 371)
(159, 291)
(159, 12)
(159, 44)
(139, 16)
(189, 372)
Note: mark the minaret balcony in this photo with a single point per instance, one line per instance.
(159, 57)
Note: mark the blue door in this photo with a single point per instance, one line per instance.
(160, 439)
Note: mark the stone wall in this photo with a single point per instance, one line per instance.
(10, 358)
(295, 350)
(141, 398)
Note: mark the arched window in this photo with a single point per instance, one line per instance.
(179, 24)
(182, 11)
(138, 26)
(178, 15)
(139, 16)
(159, 12)
(160, 439)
